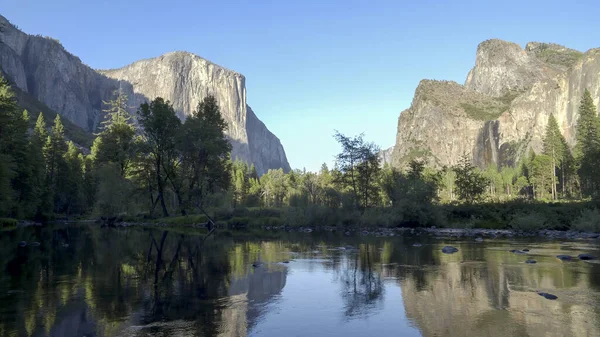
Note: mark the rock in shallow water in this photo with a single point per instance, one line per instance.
(586, 257)
(449, 250)
(479, 239)
(564, 257)
(547, 295)
(34, 244)
(22, 244)
(417, 245)
(530, 261)
(516, 251)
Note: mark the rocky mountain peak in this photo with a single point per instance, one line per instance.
(503, 108)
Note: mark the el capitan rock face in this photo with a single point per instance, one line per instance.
(42, 68)
(503, 108)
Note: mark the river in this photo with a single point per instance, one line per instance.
(82, 280)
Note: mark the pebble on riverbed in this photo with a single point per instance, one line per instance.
(586, 257)
(547, 295)
(449, 250)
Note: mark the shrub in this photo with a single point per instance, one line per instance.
(8, 222)
(266, 221)
(238, 222)
(295, 217)
(528, 222)
(588, 221)
(185, 220)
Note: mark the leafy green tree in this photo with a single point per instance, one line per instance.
(359, 166)
(508, 175)
(470, 183)
(274, 187)
(587, 149)
(202, 163)
(160, 125)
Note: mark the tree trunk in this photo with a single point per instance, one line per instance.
(161, 189)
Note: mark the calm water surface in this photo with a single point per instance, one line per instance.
(87, 281)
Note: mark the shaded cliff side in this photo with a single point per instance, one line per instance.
(502, 109)
(43, 69)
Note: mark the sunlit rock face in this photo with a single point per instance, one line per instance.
(502, 109)
(42, 68)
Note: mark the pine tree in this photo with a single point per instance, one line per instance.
(54, 151)
(116, 143)
(37, 142)
(555, 147)
(587, 149)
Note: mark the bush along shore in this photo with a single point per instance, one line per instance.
(516, 219)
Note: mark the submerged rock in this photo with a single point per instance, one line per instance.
(547, 295)
(257, 264)
(530, 261)
(449, 250)
(417, 245)
(586, 257)
(22, 244)
(564, 257)
(34, 244)
(516, 251)
(479, 239)
(525, 250)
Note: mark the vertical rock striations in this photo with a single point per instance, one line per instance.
(42, 68)
(503, 108)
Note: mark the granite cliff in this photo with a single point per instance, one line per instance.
(502, 109)
(41, 68)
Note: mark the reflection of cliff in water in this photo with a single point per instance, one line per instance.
(497, 299)
(249, 297)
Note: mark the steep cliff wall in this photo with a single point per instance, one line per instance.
(43, 69)
(503, 108)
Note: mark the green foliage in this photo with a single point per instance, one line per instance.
(184, 220)
(8, 222)
(587, 149)
(588, 221)
(358, 164)
(528, 221)
(114, 192)
(470, 184)
(483, 112)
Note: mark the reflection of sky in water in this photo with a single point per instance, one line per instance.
(310, 305)
(115, 283)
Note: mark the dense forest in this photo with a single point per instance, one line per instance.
(153, 165)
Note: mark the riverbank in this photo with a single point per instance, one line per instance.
(477, 234)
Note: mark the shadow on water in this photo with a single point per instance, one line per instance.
(87, 281)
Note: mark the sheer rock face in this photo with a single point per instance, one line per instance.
(503, 108)
(44, 69)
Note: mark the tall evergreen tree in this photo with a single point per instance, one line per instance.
(116, 143)
(556, 148)
(587, 149)
(54, 151)
(470, 183)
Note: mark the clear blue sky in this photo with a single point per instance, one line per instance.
(311, 66)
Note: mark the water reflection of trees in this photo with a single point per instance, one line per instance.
(90, 281)
(105, 282)
(361, 283)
